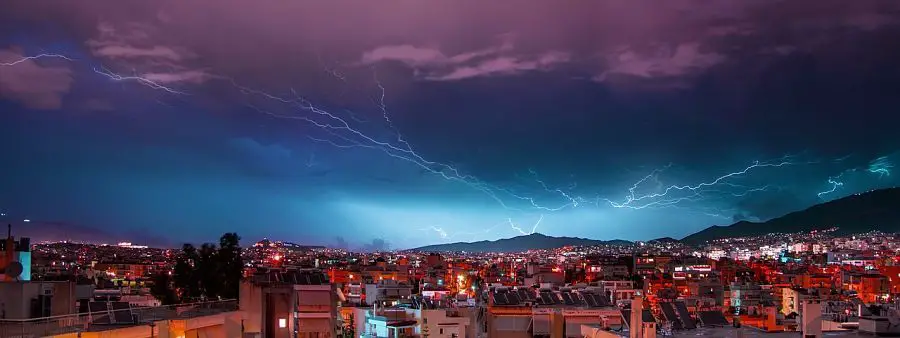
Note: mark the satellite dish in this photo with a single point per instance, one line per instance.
(13, 270)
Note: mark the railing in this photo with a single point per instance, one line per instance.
(106, 320)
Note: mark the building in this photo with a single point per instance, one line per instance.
(15, 258)
(33, 299)
(387, 292)
(794, 298)
(281, 303)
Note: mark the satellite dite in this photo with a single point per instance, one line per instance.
(15, 258)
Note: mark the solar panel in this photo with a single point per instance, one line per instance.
(500, 299)
(513, 298)
(578, 301)
(669, 314)
(99, 312)
(315, 279)
(647, 316)
(523, 294)
(712, 318)
(545, 298)
(626, 314)
(685, 316)
(600, 300)
(122, 312)
(589, 298)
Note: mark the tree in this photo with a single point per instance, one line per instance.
(231, 265)
(162, 288)
(184, 279)
(207, 269)
(209, 272)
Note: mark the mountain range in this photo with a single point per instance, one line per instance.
(533, 241)
(874, 210)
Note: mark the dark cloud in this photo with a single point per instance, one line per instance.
(340, 243)
(188, 42)
(377, 245)
(373, 119)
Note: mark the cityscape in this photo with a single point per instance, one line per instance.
(449, 168)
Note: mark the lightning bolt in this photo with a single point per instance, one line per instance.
(881, 166)
(311, 161)
(344, 133)
(384, 112)
(696, 191)
(519, 229)
(35, 57)
(440, 231)
(349, 136)
(833, 181)
(146, 82)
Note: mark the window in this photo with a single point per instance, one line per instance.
(282, 323)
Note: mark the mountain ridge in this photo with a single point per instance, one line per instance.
(535, 241)
(857, 213)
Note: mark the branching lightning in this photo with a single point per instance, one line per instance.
(519, 229)
(352, 137)
(138, 79)
(694, 192)
(343, 131)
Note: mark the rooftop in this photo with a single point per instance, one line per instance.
(110, 316)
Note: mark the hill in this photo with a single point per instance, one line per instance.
(534, 241)
(874, 210)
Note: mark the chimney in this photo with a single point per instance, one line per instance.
(812, 319)
(637, 318)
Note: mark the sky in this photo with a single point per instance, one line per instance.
(396, 124)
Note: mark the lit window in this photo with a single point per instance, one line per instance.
(282, 323)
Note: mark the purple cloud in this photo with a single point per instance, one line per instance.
(36, 83)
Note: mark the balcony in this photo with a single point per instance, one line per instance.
(113, 319)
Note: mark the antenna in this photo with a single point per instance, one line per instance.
(8, 230)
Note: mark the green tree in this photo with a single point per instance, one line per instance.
(231, 265)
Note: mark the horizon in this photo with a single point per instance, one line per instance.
(622, 121)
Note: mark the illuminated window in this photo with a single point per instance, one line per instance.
(282, 323)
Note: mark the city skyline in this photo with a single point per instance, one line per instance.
(396, 125)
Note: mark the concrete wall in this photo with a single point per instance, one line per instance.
(217, 331)
(251, 303)
(15, 298)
